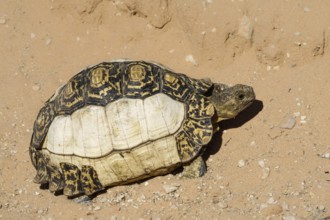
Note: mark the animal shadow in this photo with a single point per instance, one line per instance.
(246, 115)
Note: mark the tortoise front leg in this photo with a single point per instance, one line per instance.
(195, 168)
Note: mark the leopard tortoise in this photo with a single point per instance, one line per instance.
(122, 121)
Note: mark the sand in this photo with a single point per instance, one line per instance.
(271, 162)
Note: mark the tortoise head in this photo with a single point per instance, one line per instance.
(229, 101)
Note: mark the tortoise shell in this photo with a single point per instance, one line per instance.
(118, 122)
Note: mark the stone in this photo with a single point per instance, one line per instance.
(245, 28)
(2, 20)
(170, 188)
(242, 163)
(271, 210)
(190, 58)
(36, 87)
(265, 173)
(288, 123)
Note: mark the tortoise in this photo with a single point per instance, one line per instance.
(123, 121)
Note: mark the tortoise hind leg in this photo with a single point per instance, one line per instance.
(196, 168)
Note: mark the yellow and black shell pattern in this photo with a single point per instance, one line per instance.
(122, 93)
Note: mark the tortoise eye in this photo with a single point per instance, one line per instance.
(241, 96)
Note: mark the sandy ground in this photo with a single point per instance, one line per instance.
(271, 162)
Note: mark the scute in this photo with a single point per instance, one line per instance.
(71, 174)
(41, 124)
(187, 149)
(56, 181)
(90, 181)
(199, 131)
(141, 80)
(175, 86)
(103, 84)
(71, 96)
(199, 107)
(200, 85)
(40, 163)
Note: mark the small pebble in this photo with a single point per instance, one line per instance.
(190, 58)
(288, 123)
(296, 114)
(285, 206)
(265, 172)
(321, 208)
(170, 188)
(297, 33)
(325, 155)
(96, 208)
(242, 163)
(102, 200)
(2, 20)
(270, 210)
(223, 205)
(48, 41)
(36, 87)
(33, 35)
(155, 218)
(245, 28)
(303, 119)
(271, 200)
(141, 198)
(289, 217)
(263, 206)
(309, 209)
(261, 163)
(307, 9)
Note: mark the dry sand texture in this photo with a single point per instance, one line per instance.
(272, 162)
